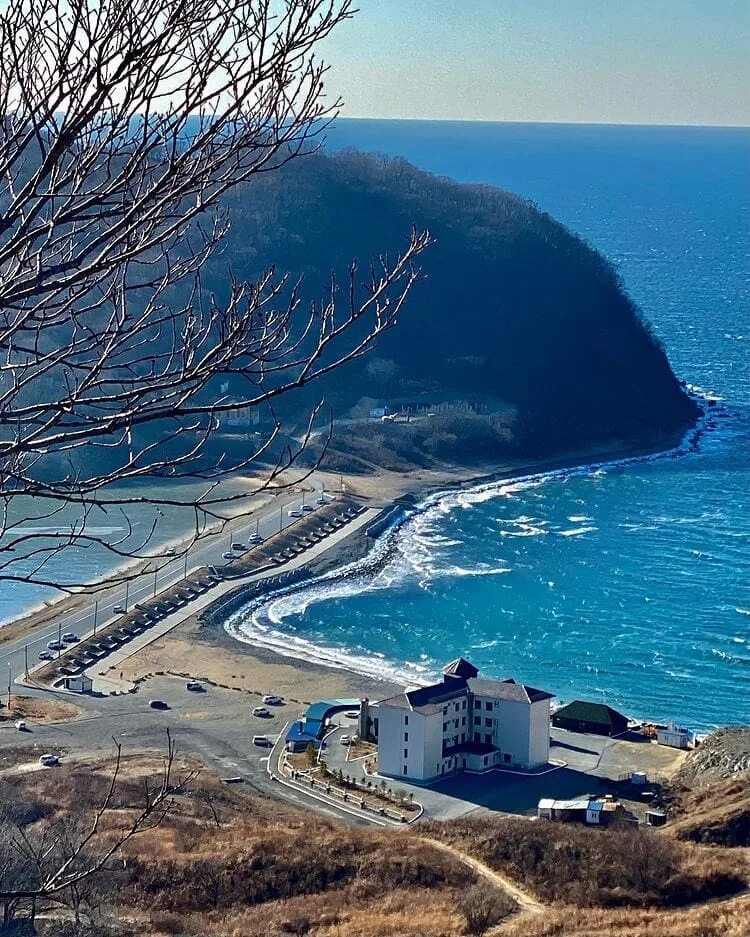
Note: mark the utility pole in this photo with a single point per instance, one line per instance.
(156, 573)
(26, 661)
(96, 613)
(281, 517)
(10, 680)
(127, 587)
(59, 637)
(184, 576)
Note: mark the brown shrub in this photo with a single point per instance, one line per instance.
(587, 867)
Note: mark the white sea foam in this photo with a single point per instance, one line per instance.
(575, 531)
(414, 549)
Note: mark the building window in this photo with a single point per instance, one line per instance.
(477, 736)
(477, 704)
(477, 720)
(445, 710)
(484, 761)
(404, 769)
(506, 758)
(488, 723)
(406, 736)
(406, 753)
(463, 705)
(406, 720)
(488, 706)
(488, 739)
(456, 707)
(463, 720)
(445, 727)
(455, 723)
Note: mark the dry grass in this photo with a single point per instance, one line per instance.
(38, 710)
(721, 919)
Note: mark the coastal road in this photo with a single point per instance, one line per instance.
(99, 611)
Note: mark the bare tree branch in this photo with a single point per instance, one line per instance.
(122, 126)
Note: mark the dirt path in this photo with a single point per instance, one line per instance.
(526, 902)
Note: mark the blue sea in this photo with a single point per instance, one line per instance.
(631, 584)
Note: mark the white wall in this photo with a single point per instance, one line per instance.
(390, 734)
(539, 733)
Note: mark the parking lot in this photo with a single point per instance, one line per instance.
(593, 765)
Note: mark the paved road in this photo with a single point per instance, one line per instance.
(207, 552)
(216, 726)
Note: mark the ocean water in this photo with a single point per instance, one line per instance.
(627, 584)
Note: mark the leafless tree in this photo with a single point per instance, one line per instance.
(122, 126)
(65, 862)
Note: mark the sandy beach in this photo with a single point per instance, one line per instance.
(197, 648)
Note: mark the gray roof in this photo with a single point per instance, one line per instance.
(460, 667)
(507, 689)
(426, 699)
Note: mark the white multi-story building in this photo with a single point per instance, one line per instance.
(462, 723)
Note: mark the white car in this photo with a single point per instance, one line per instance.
(228, 556)
(69, 637)
(352, 714)
(294, 513)
(21, 726)
(49, 760)
(119, 609)
(307, 508)
(322, 500)
(170, 552)
(273, 700)
(256, 538)
(261, 711)
(345, 740)
(46, 655)
(54, 645)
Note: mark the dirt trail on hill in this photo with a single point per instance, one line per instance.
(526, 902)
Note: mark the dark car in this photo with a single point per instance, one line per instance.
(158, 704)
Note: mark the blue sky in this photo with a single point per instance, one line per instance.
(613, 61)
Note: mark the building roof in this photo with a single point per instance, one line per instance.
(460, 667)
(509, 690)
(597, 713)
(427, 699)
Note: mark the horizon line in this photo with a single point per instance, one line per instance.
(557, 123)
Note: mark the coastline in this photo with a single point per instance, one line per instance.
(360, 554)
(385, 489)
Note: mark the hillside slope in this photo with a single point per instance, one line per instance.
(512, 306)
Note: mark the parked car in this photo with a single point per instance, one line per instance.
(307, 508)
(158, 704)
(345, 740)
(46, 655)
(170, 552)
(261, 740)
(294, 513)
(256, 538)
(49, 760)
(55, 645)
(228, 556)
(261, 711)
(195, 686)
(322, 500)
(21, 726)
(69, 637)
(239, 547)
(352, 714)
(119, 609)
(273, 700)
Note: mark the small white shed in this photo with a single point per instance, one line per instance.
(675, 736)
(79, 684)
